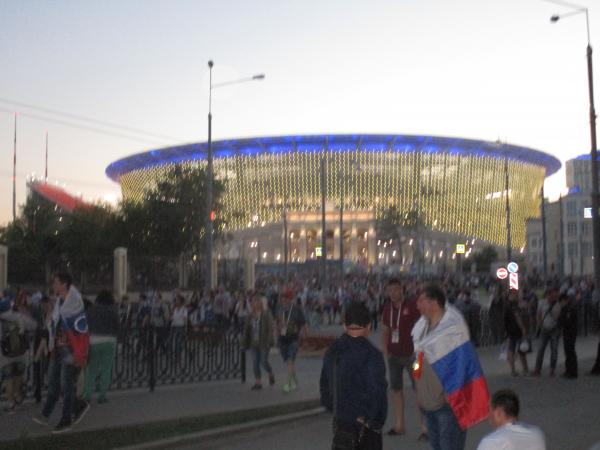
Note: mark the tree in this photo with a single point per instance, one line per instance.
(171, 219)
(484, 258)
(33, 242)
(88, 240)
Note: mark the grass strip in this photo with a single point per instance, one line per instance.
(135, 434)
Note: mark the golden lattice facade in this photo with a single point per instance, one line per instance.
(457, 190)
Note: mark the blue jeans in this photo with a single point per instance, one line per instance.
(61, 376)
(260, 357)
(443, 430)
(545, 337)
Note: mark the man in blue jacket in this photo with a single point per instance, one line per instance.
(353, 384)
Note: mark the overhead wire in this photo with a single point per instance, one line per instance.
(82, 127)
(82, 118)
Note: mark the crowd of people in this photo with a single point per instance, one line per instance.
(74, 343)
(428, 337)
(74, 340)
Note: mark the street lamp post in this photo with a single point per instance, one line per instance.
(323, 224)
(508, 230)
(593, 152)
(210, 171)
(353, 165)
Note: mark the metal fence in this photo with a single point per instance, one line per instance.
(159, 356)
(150, 357)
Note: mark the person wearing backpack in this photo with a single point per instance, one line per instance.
(14, 347)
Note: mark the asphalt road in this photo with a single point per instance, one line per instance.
(566, 410)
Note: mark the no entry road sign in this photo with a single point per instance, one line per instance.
(501, 273)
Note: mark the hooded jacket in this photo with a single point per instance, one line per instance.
(360, 379)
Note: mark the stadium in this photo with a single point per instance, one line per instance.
(457, 187)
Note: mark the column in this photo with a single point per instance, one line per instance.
(336, 243)
(120, 273)
(249, 273)
(372, 247)
(3, 267)
(183, 271)
(302, 245)
(354, 243)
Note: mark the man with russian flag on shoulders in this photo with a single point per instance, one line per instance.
(451, 388)
(68, 345)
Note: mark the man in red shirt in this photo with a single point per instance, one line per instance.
(398, 319)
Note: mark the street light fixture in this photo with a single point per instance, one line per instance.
(210, 171)
(577, 9)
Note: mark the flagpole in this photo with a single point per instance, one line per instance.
(46, 171)
(14, 199)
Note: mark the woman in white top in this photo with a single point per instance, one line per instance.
(180, 313)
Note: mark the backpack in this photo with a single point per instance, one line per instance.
(13, 342)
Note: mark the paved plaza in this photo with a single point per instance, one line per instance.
(566, 410)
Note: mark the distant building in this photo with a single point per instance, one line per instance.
(56, 196)
(456, 187)
(569, 242)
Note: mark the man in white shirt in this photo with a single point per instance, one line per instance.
(510, 434)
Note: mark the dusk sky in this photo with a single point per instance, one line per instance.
(482, 69)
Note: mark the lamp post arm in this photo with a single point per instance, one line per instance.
(238, 81)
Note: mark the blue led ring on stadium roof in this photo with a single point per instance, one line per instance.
(332, 143)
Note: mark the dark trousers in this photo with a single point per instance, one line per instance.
(61, 377)
(355, 437)
(570, 354)
(38, 380)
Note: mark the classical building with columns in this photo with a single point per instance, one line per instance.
(455, 190)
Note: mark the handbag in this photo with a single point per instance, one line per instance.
(524, 346)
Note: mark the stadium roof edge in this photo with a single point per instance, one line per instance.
(334, 143)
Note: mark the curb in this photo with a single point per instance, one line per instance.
(190, 437)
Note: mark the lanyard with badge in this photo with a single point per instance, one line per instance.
(395, 331)
(283, 331)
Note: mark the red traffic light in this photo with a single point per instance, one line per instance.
(213, 215)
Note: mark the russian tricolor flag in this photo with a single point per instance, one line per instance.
(76, 329)
(453, 358)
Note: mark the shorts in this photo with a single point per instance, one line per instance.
(513, 343)
(13, 369)
(397, 365)
(289, 350)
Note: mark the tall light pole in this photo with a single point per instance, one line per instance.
(508, 230)
(353, 165)
(14, 177)
(210, 216)
(576, 9)
(323, 223)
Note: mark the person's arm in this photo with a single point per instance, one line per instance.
(325, 389)
(385, 337)
(520, 323)
(271, 328)
(376, 387)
